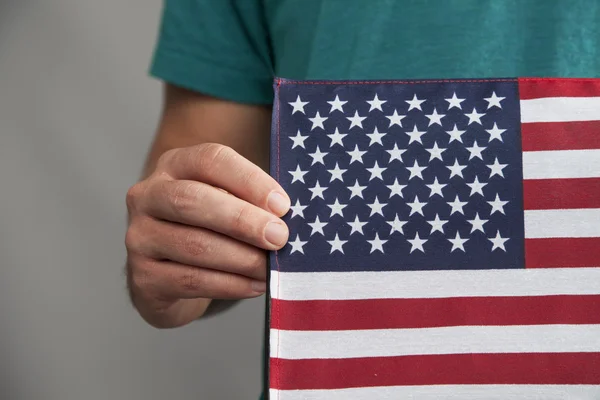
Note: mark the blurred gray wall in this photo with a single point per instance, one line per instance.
(77, 113)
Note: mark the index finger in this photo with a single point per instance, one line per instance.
(223, 167)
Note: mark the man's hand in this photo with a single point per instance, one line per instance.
(199, 228)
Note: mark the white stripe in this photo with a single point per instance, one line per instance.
(433, 284)
(446, 392)
(446, 340)
(560, 164)
(560, 109)
(570, 223)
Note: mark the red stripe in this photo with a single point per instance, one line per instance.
(562, 252)
(451, 369)
(325, 315)
(538, 136)
(561, 87)
(552, 194)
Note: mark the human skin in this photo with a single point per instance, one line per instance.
(205, 211)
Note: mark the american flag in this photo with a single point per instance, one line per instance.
(444, 240)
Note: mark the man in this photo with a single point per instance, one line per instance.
(206, 212)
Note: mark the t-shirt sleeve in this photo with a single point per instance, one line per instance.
(216, 47)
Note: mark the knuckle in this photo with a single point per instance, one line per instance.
(242, 217)
(256, 263)
(192, 282)
(138, 235)
(183, 196)
(141, 275)
(253, 179)
(132, 197)
(132, 239)
(251, 176)
(166, 158)
(212, 155)
(195, 244)
(229, 286)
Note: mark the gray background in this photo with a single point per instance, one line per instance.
(77, 113)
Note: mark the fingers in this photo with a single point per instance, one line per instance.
(167, 279)
(198, 247)
(198, 204)
(198, 229)
(223, 167)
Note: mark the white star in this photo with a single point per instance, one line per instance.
(456, 169)
(497, 205)
(498, 242)
(376, 137)
(297, 209)
(477, 223)
(336, 173)
(455, 134)
(457, 205)
(396, 188)
(396, 153)
(317, 226)
(376, 244)
(298, 140)
(356, 190)
(356, 120)
(417, 243)
(436, 188)
(455, 102)
(318, 156)
(416, 206)
(476, 186)
(437, 224)
(357, 226)
(415, 103)
(376, 103)
(297, 245)
(397, 225)
(317, 121)
(495, 133)
(474, 117)
(317, 191)
(337, 104)
(475, 151)
(435, 152)
(415, 135)
(458, 243)
(494, 101)
(496, 168)
(337, 208)
(336, 137)
(336, 244)
(416, 171)
(298, 174)
(298, 105)
(356, 155)
(377, 207)
(435, 118)
(376, 171)
(395, 119)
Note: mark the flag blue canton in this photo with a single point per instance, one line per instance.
(401, 176)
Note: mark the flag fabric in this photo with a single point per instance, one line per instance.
(444, 240)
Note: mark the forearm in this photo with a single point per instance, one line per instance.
(189, 119)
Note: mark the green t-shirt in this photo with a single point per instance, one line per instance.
(233, 48)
